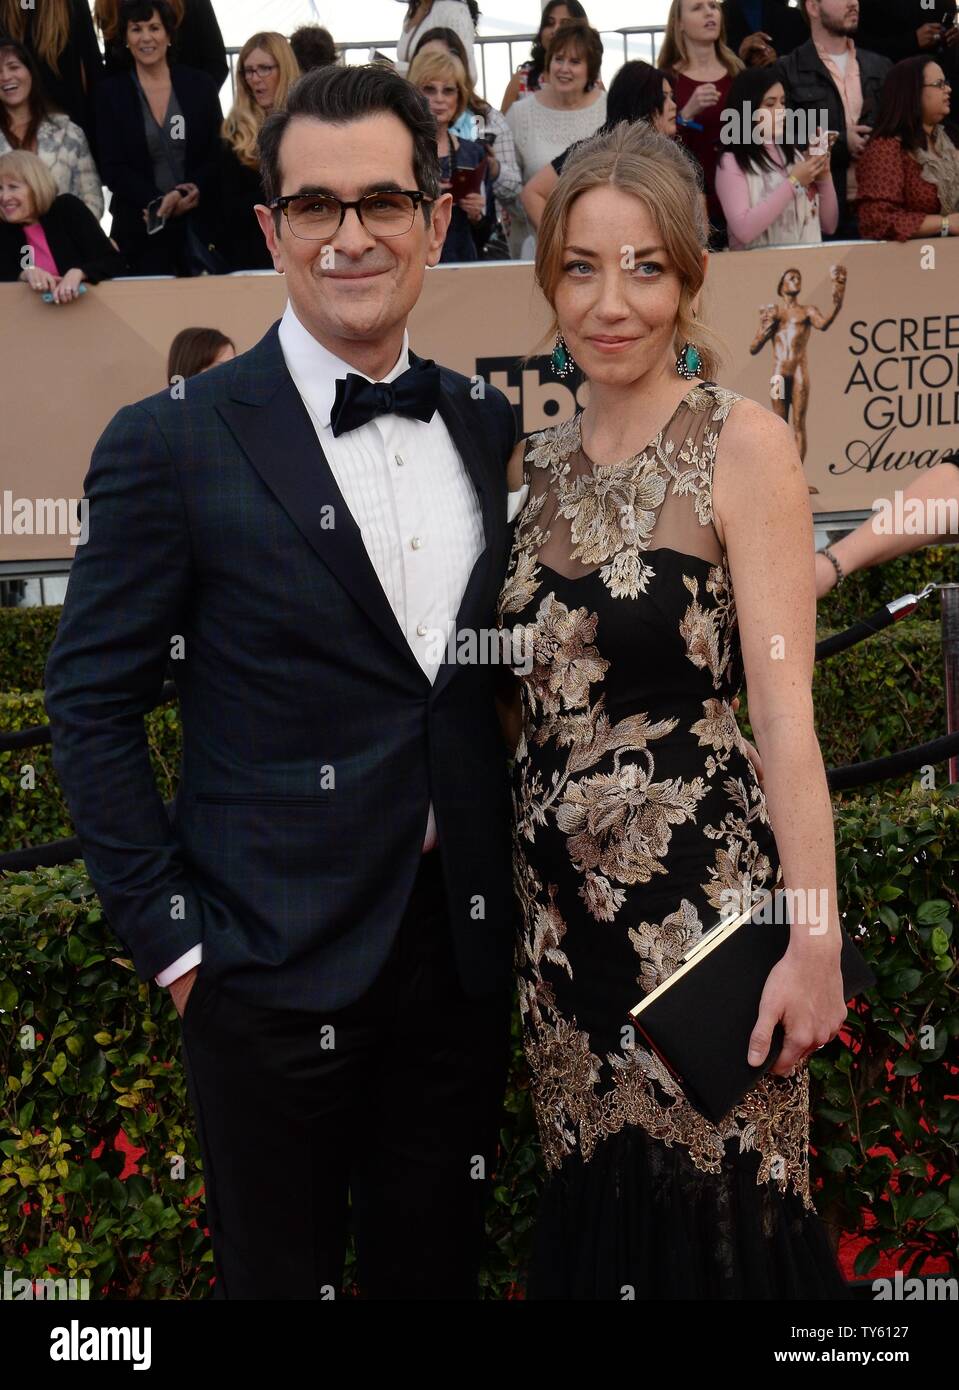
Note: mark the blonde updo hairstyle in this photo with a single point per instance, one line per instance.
(656, 170)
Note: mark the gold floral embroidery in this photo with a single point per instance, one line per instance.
(661, 947)
(618, 817)
(565, 662)
(772, 1119)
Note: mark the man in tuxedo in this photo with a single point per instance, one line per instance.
(330, 904)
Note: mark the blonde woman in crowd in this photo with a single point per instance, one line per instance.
(702, 66)
(266, 70)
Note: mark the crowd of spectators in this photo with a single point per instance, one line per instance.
(827, 120)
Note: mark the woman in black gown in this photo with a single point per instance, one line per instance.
(664, 553)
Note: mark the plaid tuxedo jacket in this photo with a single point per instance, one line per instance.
(209, 540)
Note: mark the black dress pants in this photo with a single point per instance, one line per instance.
(385, 1112)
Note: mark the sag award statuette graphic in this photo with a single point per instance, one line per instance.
(787, 324)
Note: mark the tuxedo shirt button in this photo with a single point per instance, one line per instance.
(421, 630)
(417, 542)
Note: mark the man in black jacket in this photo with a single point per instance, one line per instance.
(821, 77)
(331, 904)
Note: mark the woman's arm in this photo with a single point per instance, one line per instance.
(746, 222)
(509, 180)
(937, 492)
(881, 190)
(129, 179)
(92, 252)
(512, 92)
(828, 204)
(764, 521)
(84, 174)
(536, 192)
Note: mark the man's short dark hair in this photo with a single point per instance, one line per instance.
(313, 47)
(340, 95)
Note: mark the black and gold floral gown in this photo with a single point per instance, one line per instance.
(635, 807)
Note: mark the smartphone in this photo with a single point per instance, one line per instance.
(155, 223)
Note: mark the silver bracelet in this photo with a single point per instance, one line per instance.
(835, 564)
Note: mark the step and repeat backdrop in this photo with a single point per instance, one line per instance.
(856, 345)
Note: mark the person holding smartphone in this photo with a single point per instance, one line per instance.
(772, 193)
(834, 72)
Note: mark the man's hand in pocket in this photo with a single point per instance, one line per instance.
(180, 989)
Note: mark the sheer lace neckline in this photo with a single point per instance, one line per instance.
(632, 458)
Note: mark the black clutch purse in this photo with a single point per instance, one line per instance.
(699, 1020)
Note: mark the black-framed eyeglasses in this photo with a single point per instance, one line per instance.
(941, 84)
(319, 216)
(262, 70)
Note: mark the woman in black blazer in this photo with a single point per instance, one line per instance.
(60, 35)
(143, 116)
(197, 42)
(67, 244)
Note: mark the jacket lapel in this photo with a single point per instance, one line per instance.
(269, 421)
(475, 608)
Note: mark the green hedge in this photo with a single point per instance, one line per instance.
(883, 695)
(32, 808)
(26, 636)
(862, 593)
(108, 1052)
(895, 1087)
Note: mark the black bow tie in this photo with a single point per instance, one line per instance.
(416, 392)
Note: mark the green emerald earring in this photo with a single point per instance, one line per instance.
(560, 357)
(689, 362)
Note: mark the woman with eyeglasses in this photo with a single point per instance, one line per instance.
(266, 70)
(480, 120)
(157, 130)
(441, 79)
(908, 175)
(199, 43)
